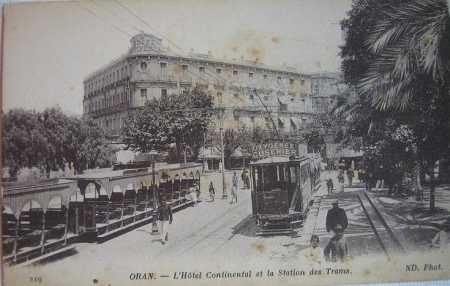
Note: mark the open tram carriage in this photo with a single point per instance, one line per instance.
(282, 190)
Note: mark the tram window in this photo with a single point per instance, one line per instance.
(256, 178)
(281, 176)
(293, 175)
(270, 174)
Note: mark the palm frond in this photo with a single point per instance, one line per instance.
(406, 41)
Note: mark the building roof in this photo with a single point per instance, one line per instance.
(110, 173)
(196, 57)
(209, 153)
(271, 160)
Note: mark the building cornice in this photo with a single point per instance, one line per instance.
(188, 59)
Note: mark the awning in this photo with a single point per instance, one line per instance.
(209, 153)
(237, 153)
(350, 153)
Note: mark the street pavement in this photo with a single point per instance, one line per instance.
(217, 234)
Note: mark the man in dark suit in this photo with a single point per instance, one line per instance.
(335, 216)
(165, 218)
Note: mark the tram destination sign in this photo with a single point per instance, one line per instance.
(265, 150)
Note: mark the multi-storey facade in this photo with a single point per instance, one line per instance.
(251, 94)
(326, 87)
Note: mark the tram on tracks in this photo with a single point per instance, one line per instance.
(282, 188)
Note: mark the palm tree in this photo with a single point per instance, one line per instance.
(410, 40)
(411, 66)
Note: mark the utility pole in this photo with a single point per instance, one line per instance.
(221, 116)
(224, 192)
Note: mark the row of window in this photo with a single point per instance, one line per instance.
(103, 103)
(143, 92)
(202, 69)
(110, 77)
(268, 121)
(115, 123)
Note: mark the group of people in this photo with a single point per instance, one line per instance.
(350, 173)
(165, 216)
(337, 248)
(234, 186)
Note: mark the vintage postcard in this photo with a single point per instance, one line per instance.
(213, 142)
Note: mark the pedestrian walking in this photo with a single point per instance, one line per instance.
(336, 216)
(341, 181)
(330, 186)
(337, 248)
(245, 180)
(211, 191)
(193, 195)
(234, 188)
(350, 176)
(165, 218)
(197, 191)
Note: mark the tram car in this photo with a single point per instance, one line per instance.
(282, 190)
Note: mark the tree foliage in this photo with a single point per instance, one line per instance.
(179, 119)
(51, 141)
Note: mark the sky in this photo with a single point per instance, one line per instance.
(50, 47)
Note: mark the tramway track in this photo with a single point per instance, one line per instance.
(389, 243)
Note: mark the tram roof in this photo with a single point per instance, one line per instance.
(110, 173)
(31, 186)
(278, 160)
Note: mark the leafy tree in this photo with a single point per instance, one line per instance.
(24, 145)
(315, 141)
(85, 145)
(51, 140)
(53, 124)
(240, 138)
(174, 119)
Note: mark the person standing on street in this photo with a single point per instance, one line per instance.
(336, 216)
(211, 191)
(165, 218)
(337, 248)
(193, 195)
(330, 186)
(197, 191)
(350, 176)
(341, 181)
(235, 188)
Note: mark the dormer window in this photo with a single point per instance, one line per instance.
(250, 75)
(201, 69)
(235, 72)
(219, 71)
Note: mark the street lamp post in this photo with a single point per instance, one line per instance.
(153, 154)
(224, 192)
